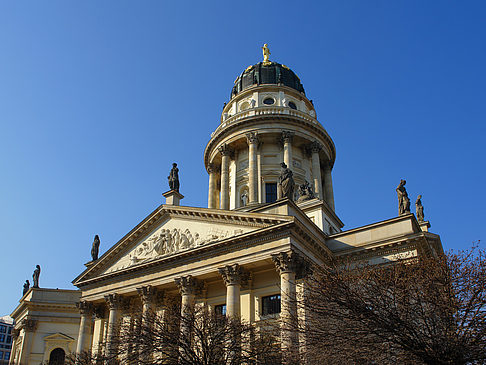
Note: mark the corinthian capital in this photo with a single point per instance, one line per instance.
(286, 262)
(234, 275)
(287, 136)
(252, 138)
(226, 150)
(85, 308)
(188, 285)
(147, 293)
(114, 301)
(315, 147)
(29, 324)
(213, 168)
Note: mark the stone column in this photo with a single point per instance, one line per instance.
(328, 184)
(234, 276)
(252, 139)
(29, 326)
(98, 330)
(314, 148)
(287, 138)
(289, 265)
(226, 153)
(115, 302)
(85, 325)
(212, 170)
(188, 286)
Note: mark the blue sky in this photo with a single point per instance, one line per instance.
(98, 98)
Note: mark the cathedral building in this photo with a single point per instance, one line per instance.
(270, 213)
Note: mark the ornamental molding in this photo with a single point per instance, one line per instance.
(85, 308)
(234, 275)
(189, 285)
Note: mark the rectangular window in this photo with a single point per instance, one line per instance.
(270, 192)
(3, 329)
(1, 355)
(10, 330)
(2, 338)
(271, 304)
(9, 339)
(7, 356)
(220, 309)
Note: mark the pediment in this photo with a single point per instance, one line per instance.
(58, 337)
(172, 230)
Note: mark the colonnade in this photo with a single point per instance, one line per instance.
(253, 140)
(288, 264)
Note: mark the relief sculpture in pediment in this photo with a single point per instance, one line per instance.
(170, 241)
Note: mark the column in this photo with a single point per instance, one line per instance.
(328, 184)
(289, 265)
(252, 139)
(314, 148)
(226, 153)
(212, 170)
(29, 326)
(114, 302)
(234, 276)
(287, 138)
(188, 287)
(85, 325)
(98, 331)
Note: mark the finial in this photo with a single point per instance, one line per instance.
(266, 55)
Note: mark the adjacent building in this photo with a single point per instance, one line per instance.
(6, 327)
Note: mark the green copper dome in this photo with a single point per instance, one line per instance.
(264, 73)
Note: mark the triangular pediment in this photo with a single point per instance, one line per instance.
(58, 337)
(174, 230)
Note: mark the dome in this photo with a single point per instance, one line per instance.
(266, 73)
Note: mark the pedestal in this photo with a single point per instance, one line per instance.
(173, 197)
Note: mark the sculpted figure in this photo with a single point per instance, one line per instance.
(244, 199)
(419, 209)
(26, 287)
(174, 178)
(35, 276)
(403, 200)
(286, 182)
(95, 248)
(305, 192)
(266, 54)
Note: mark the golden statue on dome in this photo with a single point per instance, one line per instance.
(266, 55)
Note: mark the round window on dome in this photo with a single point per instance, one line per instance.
(269, 101)
(292, 105)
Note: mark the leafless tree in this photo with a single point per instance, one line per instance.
(430, 310)
(208, 338)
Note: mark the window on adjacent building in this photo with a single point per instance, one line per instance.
(9, 330)
(271, 304)
(1, 355)
(7, 356)
(270, 192)
(9, 339)
(3, 329)
(2, 338)
(220, 309)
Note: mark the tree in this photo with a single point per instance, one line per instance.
(430, 310)
(208, 338)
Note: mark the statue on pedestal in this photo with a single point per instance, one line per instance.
(95, 248)
(286, 182)
(26, 287)
(244, 199)
(35, 276)
(403, 200)
(266, 54)
(419, 209)
(174, 178)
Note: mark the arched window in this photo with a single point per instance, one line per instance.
(57, 357)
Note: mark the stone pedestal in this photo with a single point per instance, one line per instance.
(173, 197)
(424, 226)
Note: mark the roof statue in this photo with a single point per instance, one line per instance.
(174, 178)
(35, 276)
(419, 209)
(286, 182)
(403, 200)
(26, 287)
(266, 54)
(95, 248)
